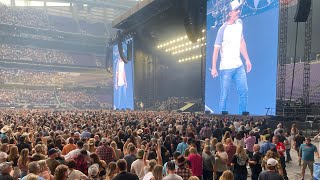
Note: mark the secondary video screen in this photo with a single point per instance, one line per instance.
(241, 56)
(123, 78)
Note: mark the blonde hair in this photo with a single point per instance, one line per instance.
(193, 178)
(31, 176)
(240, 152)
(43, 165)
(152, 163)
(157, 172)
(225, 136)
(227, 175)
(113, 144)
(193, 150)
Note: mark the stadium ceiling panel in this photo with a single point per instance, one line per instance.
(123, 5)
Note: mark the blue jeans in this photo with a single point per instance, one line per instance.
(239, 77)
(122, 98)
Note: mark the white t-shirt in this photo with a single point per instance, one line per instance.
(137, 167)
(120, 73)
(148, 176)
(172, 177)
(229, 39)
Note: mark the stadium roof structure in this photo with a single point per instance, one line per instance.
(95, 10)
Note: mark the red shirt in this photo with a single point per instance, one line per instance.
(196, 164)
(279, 146)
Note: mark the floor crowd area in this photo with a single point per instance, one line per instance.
(144, 145)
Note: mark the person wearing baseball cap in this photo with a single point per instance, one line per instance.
(271, 172)
(231, 44)
(5, 169)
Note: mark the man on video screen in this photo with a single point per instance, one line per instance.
(231, 43)
(121, 83)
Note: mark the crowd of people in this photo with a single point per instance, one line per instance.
(141, 145)
(30, 17)
(47, 78)
(78, 98)
(39, 18)
(37, 78)
(19, 96)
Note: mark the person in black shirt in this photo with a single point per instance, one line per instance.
(22, 144)
(217, 133)
(123, 174)
(225, 129)
(255, 162)
(239, 163)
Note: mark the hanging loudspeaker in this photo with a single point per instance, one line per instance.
(303, 11)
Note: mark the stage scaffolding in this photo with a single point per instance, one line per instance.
(281, 81)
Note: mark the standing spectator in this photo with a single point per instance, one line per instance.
(266, 146)
(74, 153)
(196, 163)
(279, 129)
(217, 133)
(281, 150)
(208, 160)
(238, 140)
(44, 170)
(298, 140)
(287, 144)
(14, 156)
(123, 174)
(221, 160)
(250, 141)
(61, 173)
(230, 149)
(33, 169)
(271, 172)
(306, 154)
(183, 145)
(157, 172)
(205, 132)
(22, 144)
(69, 147)
(73, 173)
(239, 163)
(171, 172)
(23, 162)
(255, 162)
(51, 161)
(82, 162)
(105, 152)
(182, 170)
(131, 157)
(5, 169)
(138, 165)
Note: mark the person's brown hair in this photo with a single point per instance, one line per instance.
(60, 172)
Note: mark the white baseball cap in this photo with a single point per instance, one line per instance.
(234, 5)
(272, 162)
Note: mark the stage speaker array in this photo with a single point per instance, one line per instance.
(120, 47)
(303, 11)
(193, 21)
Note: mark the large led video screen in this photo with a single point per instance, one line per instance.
(123, 78)
(241, 56)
